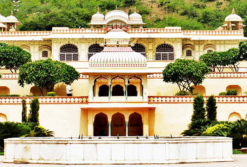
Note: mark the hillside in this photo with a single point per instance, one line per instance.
(189, 14)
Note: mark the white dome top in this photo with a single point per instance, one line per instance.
(12, 18)
(135, 16)
(98, 16)
(2, 18)
(233, 17)
(117, 13)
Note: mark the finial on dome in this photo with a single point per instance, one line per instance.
(12, 13)
(135, 9)
(233, 11)
(116, 6)
(98, 9)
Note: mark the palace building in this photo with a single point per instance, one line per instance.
(121, 89)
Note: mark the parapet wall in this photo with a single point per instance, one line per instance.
(126, 150)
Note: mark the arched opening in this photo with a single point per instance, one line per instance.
(35, 91)
(100, 125)
(234, 117)
(140, 49)
(60, 89)
(235, 87)
(132, 90)
(164, 52)
(93, 49)
(103, 90)
(117, 90)
(3, 118)
(4, 90)
(135, 125)
(199, 89)
(118, 125)
(69, 52)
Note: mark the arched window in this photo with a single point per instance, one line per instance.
(93, 49)
(69, 52)
(140, 49)
(117, 90)
(164, 52)
(132, 90)
(103, 90)
(44, 54)
(188, 53)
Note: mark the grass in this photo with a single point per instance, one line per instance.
(237, 152)
(1, 153)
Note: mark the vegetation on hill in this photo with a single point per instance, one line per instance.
(190, 14)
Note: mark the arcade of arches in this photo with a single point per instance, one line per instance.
(119, 87)
(118, 125)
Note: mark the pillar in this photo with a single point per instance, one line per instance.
(109, 125)
(127, 128)
(145, 123)
(91, 83)
(126, 88)
(109, 90)
(90, 123)
(145, 88)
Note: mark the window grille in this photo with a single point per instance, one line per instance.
(164, 52)
(140, 49)
(93, 49)
(210, 51)
(188, 53)
(44, 53)
(69, 52)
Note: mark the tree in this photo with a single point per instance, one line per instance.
(46, 73)
(185, 73)
(243, 50)
(13, 57)
(34, 111)
(211, 108)
(24, 111)
(198, 109)
(212, 60)
(233, 58)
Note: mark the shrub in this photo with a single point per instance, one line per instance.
(51, 94)
(12, 129)
(218, 130)
(237, 152)
(222, 93)
(196, 128)
(34, 111)
(39, 131)
(211, 108)
(199, 110)
(13, 95)
(24, 111)
(182, 93)
(232, 92)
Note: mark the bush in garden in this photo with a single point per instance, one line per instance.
(211, 108)
(232, 92)
(12, 129)
(199, 110)
(222, 93)
(34, 111)
(40, 131)
(51, 94)
(24, 111)
(223, 129)
(182, 93)
(196, 128)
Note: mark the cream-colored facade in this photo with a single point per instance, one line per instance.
(120, 90)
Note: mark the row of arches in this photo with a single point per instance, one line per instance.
(117, 125)
(200, 89)
(235, 116)
(189, 49)
(69, 52)
(118, 86)
(117, 90)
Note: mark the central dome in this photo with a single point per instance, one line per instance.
(2, 18)
(117, 13)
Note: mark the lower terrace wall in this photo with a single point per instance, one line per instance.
(171, 116)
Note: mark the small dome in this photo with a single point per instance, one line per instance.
(98, 16)
(11, 18)
(233, 17)
(135, 16)
(2, 18)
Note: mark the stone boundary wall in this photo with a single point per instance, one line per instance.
(123, 151)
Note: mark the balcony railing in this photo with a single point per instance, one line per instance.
(190, 99)
(46, 100)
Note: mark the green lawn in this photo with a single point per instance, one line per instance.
(1, 153)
